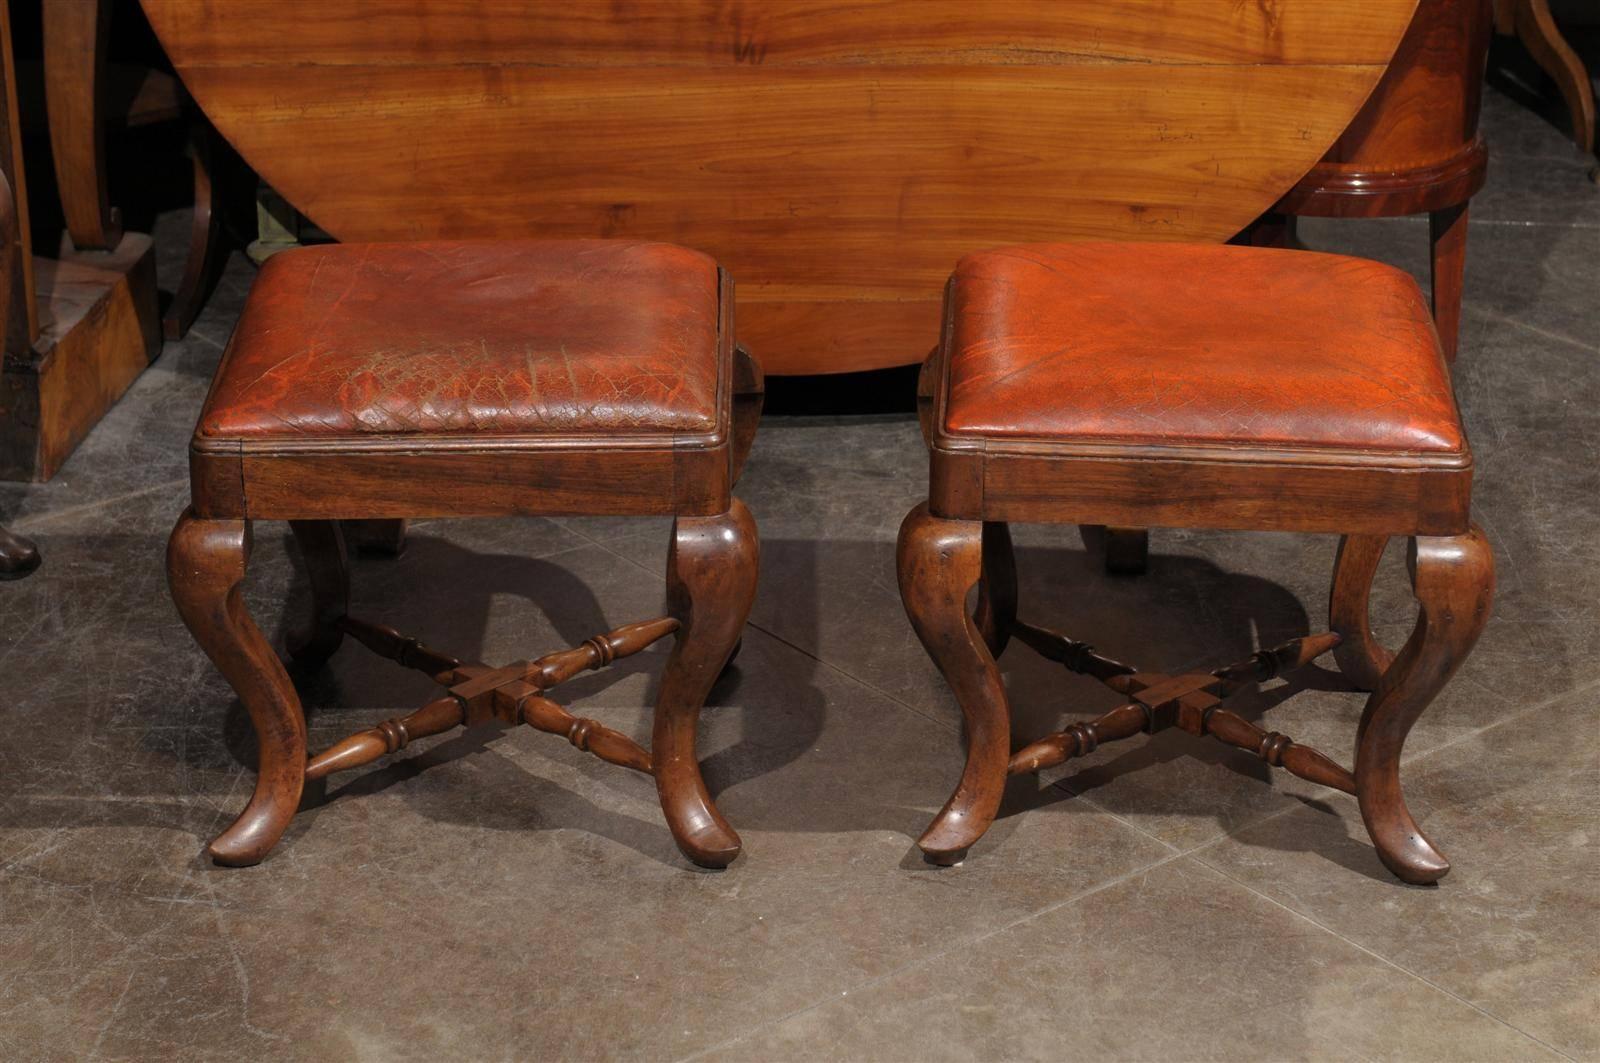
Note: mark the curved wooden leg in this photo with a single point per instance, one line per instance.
(711, 583)
(75, 38)
(18, 556)
(205, 567)
(1362, 659)
(1447, 230)
(1127, 551)
(1454, 582)
(997, 589)
(939, 561)
(322, 547)
(1537, 30)
(204, 262)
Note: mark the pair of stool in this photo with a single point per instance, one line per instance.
(1100, 384)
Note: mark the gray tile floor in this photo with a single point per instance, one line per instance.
(501, 895)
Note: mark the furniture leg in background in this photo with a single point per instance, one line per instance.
(93, 324)
(1413, 148)
(1530, 22)
(86, 95)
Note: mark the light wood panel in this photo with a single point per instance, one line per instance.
(78, 327)
(837, 157)
(98, 330)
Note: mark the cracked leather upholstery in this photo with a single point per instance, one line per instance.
(514, 337)
(1172, 344)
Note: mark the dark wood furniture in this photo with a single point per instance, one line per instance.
(85, 94)
(18, 555)
(1415, 147)
(475, 379)
(1531, 22)
(1192, 386)
(81, 327)
(794, 140)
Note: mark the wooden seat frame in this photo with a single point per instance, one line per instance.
(960, 539)
(315, 484)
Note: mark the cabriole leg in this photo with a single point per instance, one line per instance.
(322, 548)
(1362, 659)
(997, 590)
(1453, 578)
(205, 568)
(711, 583)
(939, 561)
(206, 250)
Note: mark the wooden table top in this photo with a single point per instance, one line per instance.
(837, 156)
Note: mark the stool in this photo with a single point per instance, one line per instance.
(584, 377)
(1184, 386)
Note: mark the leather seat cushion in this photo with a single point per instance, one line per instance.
(514, 337)
(1182, 345)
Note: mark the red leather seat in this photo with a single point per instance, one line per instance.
(519, 337)
(1153, 385)
(1184, 345)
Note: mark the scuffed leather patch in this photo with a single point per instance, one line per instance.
(506, 337)
(1173, 344)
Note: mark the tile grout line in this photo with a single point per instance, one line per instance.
(1173, 853)
(1528, 710)
(1381, 958)
(1196, 853)
(943, 725)
(1416, 221)
(809, 655)
(33, 520)
(1062, 784)
(1559, 337)
(952, 947)
(1101, 887)
(1328, 792)
(1507, 223)
(1192, 852)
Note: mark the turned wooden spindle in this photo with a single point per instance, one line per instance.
(390, 736)
(1269, 664)
(404, 650)
(1077, 656)
(1190, 701)
(556, 668)
(479, 693)
(1276, 749)
(1078, 740)
(591, 736)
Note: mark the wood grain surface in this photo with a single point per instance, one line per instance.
(837, 157)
